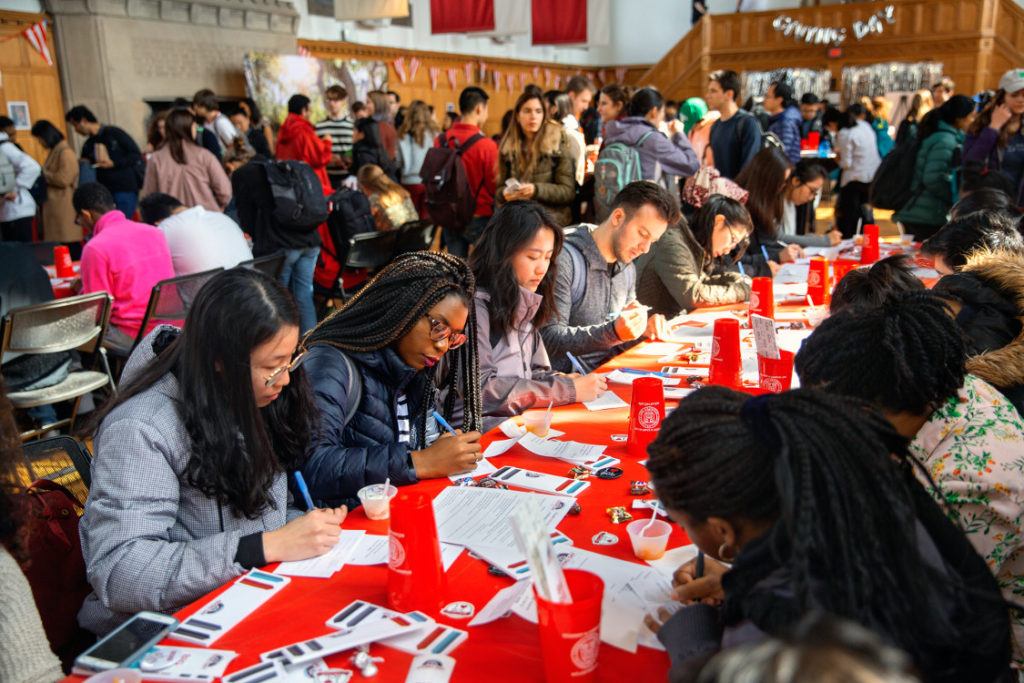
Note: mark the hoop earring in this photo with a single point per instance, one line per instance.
(722, 554)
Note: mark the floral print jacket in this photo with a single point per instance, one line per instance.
(973, 447)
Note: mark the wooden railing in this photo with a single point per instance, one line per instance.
(976, 40)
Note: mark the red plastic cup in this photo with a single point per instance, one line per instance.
(762, 297)
(415, 573)
(814, 139)
(570, 634)
(62, 261)
(775, 374)
(840, 267)
(869, 248)
(817, 280)
(646, 413)
(726, 365)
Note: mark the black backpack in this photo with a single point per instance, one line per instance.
(298, 196)
(893, 185)
(451, 202)
(350, 215)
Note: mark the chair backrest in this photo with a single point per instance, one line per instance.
(171, 300)
(270, 265)
(77, 322)
(370, 249)
(62, 459)
(414, 236)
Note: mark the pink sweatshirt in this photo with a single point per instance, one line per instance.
(125, 259)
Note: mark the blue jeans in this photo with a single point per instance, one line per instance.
(297, 275)
(126, 203)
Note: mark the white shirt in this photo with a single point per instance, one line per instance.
(858, 153)
(26, 170)
(203, 240)
(225, 131)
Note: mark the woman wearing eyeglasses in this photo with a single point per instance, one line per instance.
(376, 372)
(190, 473)
(686, 269)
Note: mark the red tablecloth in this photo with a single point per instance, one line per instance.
(62, 286)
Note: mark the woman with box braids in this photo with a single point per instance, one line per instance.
(801, 492)
(394, 331)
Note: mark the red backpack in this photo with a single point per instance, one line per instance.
(450, 201)
(56, 568)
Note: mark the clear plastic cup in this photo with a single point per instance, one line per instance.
(649, 544)
(537, 422)
(376, 501)
(906, 240)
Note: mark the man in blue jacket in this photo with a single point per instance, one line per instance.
(785, 118)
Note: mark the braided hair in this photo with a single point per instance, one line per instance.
(388, 307)
(905, 355)
(818, 468)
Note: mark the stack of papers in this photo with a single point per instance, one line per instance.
(609, 400)
(468, 516)
(586, 455)
(324, 566)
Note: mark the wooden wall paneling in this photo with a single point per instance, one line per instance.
(27, 78)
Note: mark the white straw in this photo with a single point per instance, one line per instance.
(654, 516)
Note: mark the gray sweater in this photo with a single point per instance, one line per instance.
(25, 655)
(515, 371)
(584, 328)
(150, 540)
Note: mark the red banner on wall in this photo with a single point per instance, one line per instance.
(460, 16)
(559, 22)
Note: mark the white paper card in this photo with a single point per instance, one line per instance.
(324, 566)
(499, 447)
(184, 663)
(563, 450)
(501, 604)
(657, 349)
(372, 549)
(483, 468)
(765, 342)
(468, 515)
(227, 610)
(430, 669)
(609, 400)
(540, 481)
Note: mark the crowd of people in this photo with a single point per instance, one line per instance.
(889, 492)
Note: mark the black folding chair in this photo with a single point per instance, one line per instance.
(369, 251)
(415, 236)
(270, 265)
(171, 300)
(61, 459)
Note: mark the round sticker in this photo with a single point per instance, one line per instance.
(604, 538)
(609, 473)
(396, 553)
(715, 348)
(459, 610)
(771, 384)
(619, 438)
(649, 417)
(755, 300)
(814, 279)
(584, 651)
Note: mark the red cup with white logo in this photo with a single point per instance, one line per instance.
(646, 413)
(62, 261)
(869, 247)
(762, 297)
(415, 573)
(817, 280)
(570, 633)
(775, 374)
(726, 365)
(840, 267)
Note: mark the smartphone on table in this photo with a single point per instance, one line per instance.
(125, 645)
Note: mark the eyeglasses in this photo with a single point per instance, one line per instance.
(440, 330)
(735, 241)
(273, 377)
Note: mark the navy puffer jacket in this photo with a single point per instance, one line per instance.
(343, 459)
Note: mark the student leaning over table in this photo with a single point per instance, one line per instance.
(685, 269)
(515, 276)
(605, 315)
(189, 479)
(374, 368)
(811, 500)
(907, 357)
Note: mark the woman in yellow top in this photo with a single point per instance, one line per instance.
(390, 203)
(536, 155)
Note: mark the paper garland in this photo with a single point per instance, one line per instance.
(510, 81)
(453, 77)
(399, 65)
(414, 66)
(620, 74)
(434, 71)
(468, 67)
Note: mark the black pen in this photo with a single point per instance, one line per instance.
(700, 564)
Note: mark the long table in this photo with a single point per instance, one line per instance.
(507, 649)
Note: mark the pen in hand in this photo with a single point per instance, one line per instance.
(301, 483)
(444, 423)
(576, 365)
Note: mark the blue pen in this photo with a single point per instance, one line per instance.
(764, 252)
(301, 483)
(634, 371)
(444, 423)
(739, 264)
(576, 365)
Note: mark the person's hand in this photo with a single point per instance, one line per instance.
(448, 455)
(589, 387)
(790, 253)
(657, 328)
(773, 267)
(11, 196)
(527, 190)
(310, 535)
(104, 163)
(1000, 115)
(631, 323)
(655, 622)
(688, 589)
(834, 237)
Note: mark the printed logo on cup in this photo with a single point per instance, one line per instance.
(715, 347)
(648, 417)
(584, 651)
(396, 551)
(813, 279)
(755, 300)
(772, 384)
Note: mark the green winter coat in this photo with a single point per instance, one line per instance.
(933, 179)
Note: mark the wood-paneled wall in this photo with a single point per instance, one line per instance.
(27, 78)
(419, 87)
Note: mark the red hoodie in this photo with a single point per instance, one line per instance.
(298, 141)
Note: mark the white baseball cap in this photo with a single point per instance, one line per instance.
(1012, 80)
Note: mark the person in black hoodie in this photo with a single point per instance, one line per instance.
(367, 148)
(812, 500)
(114, 155)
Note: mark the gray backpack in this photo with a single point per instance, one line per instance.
(7, 175)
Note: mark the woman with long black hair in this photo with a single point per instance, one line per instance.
(811, 499)
(766, 178)
(189, 479)
(513, 265)
(374, 369)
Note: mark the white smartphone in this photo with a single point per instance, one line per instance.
(126, 644)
